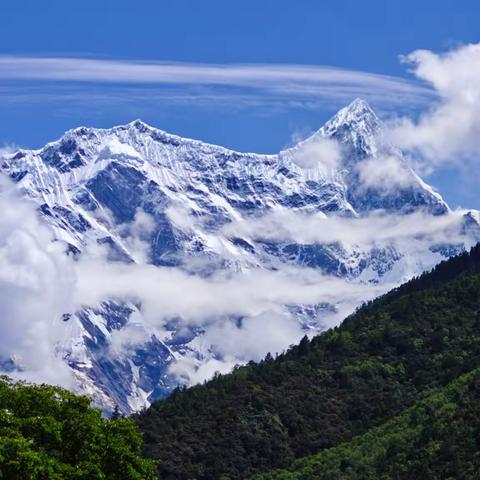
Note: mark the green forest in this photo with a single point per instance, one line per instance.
(352, 387)
(436, 439)
(47, 433)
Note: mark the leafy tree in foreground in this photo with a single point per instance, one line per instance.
(47, 433)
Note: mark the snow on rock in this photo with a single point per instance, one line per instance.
(99, 185)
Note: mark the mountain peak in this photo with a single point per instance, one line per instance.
(188, 205)
(139, 125)
(356, 126)
(359, 106)
(358, 116)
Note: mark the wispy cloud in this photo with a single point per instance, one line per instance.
(273, 80)
(378, 229)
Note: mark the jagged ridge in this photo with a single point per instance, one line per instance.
(91, 184)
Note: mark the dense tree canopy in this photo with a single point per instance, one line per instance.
(47, 433)
(436, 439)
(381, 361)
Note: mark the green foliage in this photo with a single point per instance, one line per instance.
(438, 438)
(327, 391)
(47, 433)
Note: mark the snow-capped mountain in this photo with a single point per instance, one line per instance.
(151, 197)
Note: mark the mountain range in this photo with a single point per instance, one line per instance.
(343, 204)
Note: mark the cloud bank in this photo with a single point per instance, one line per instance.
(166, 292)
(36, 281)
(242, 313)
(375, 230)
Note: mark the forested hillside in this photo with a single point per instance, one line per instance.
(438, 438)
(47, 433)
(322, 393)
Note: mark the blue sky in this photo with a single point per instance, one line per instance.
(351, 48)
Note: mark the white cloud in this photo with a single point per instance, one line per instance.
(36, 282)
(241, 313)
(376, 229)
(130, 336)
(237, 342)
(179, 213)
(318, 152)
(270, 331)
(167, 293)
(385, 173)
(450, 131)
(189, 370)
(136, 236)
(274, 80)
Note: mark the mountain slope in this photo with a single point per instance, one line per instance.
(148, 197)
(437, 438)
(322, 393)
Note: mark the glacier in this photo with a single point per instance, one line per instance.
(147, 196)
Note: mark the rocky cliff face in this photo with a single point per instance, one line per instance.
(151, 197)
